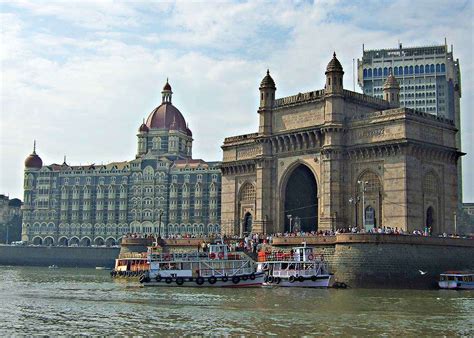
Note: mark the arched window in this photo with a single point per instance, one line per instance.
(385, 71)
(432, 68)
(369, 74)
(443, 68)
(410, 70)
(400, 70)
(365, 73)
(247, 193)
(380, 71)
(430, 184)
(395, 71)
(427, 68)
(438, 68)
(371, 182)
(405, 70)
(417, 69)
(422, 69)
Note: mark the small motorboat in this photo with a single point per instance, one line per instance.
(458, 280)
(53, 266)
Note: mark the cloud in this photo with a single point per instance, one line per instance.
(80, 76)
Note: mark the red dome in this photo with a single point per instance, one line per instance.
(33, 161)
(166, 116)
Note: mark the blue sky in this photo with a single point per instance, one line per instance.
(79, 76)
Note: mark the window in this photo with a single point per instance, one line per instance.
(248, 192)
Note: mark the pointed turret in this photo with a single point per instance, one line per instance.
(166, 93)
(391, 91)
(334, 76)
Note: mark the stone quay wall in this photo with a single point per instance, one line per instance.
(362, 260)
(60, 256)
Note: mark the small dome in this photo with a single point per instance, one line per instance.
(33, 161)
(334, 65)
(189, 132)
(391, 82)
(167, 86)
(143, 128)
(267, 81)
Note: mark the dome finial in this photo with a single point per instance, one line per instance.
(64, 162)
(268, 71)
(334, 54)
(34, 146)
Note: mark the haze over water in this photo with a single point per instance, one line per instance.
(88, 301)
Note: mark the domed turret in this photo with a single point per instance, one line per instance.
(334, 76)
(267, 81)
(33, 161)
(391, 91)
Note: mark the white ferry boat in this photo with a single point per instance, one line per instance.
(216, 268)
(456, 280)
(296, 268)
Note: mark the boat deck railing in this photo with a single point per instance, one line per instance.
(226, 272)
(287, 257)
(188, 257)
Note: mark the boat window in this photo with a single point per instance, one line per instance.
(451, 278)
(441, 278)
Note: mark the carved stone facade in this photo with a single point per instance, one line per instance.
(334, 158)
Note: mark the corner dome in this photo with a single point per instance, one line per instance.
(33, 161)
(267, 81)
(334, 65)
(143, 128)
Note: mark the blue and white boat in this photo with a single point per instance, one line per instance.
(461, 280)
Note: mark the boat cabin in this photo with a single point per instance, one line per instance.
(218, 251)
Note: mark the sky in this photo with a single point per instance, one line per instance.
(79, 76)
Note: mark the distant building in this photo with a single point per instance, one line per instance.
(429, 78)
(98, 204)
(333, 158)
(468, 208)
(10, 219)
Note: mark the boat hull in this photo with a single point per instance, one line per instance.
(243, 281)
(320, 282)
(455, 285)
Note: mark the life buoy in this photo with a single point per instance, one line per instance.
(314, 278)
(212, 255)
(179, 281)
(168, 280)
(270, 279)
(291, 279)
(225, 279)
(199, 281)
(252, 276)
(221, 255)
(245, 277)
(310, 257)
(142, 279)
(212, 280)
(236, 279)
(158, 278)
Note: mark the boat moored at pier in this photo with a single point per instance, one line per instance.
(216, 268)
(298, 267)
(459, 280)
(130, 265)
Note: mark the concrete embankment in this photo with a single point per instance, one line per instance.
(60, 256)
(362, 260)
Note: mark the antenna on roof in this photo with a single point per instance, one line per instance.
(362, 48)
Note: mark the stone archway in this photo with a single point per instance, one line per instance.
(248, 220)
(430, 218)
(99, 241)
(300, 200)
(48, 241)
(86, 241)
(37, 241)
(74, 241)
(63, 241)
(110, 242)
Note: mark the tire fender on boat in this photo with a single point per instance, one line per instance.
(158, 278)
(168, 280)
(245, 277)
(212, 280)
(291, 279)
(225, 279)
(179, 281)
(301, 278)
(236, 279)
(252, 276)
(314, 278)
(199, 281)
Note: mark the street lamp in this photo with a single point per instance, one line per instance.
(363, 184)
(354, 202)
(289, 218)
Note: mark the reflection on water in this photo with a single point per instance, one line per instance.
(87, 301)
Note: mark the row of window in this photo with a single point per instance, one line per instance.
(407, 70)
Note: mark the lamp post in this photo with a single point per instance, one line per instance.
(289, 218)
(362, 184)
(354, 201)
